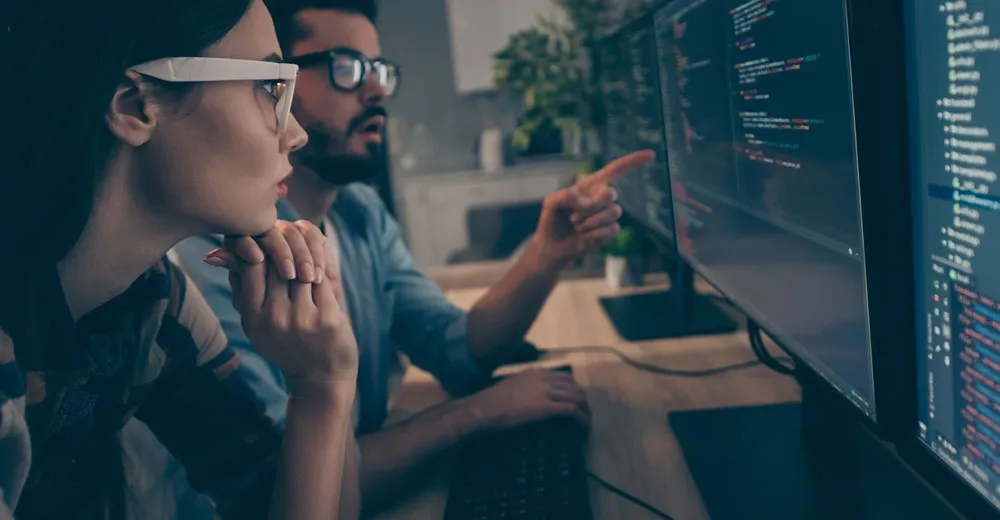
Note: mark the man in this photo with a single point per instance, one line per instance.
(340, 94)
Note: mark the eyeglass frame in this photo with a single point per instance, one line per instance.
(312, 58)
(204, 69)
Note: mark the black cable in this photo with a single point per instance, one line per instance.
(723, 300)
(778, 364)
(603, 483)
(760, 350)
(653, 368)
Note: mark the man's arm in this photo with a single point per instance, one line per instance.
(574, 221)
(433, 333)
(460, 349)
(505, 314)
(395, 457)
(425, 326)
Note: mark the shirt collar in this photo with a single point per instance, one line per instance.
(43, 332)
(42, 327)
(344, 207)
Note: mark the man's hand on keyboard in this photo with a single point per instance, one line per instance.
(528, 397)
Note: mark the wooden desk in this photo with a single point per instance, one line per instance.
(631, 445)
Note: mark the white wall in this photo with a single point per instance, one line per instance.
(480, 28)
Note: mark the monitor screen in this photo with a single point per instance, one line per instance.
(952, 57)
(634, 121)
(758, 110)
(619, 126)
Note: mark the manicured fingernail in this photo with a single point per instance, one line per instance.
(214, 261)
(257, 256)
(308, 275)
(288, 269)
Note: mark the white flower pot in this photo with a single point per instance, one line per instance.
(620, 271)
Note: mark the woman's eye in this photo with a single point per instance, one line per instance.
(274, 88)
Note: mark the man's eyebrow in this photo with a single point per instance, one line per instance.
(275, 57)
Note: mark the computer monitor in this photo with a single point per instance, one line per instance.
(759, 114)
(635, 122)
(619, 130)
(630, 85)
(954, 65)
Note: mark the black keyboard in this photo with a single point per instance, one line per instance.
(534, 473)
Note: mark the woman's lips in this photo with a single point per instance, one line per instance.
(283, 186)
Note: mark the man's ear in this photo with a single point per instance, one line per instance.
(130, 116)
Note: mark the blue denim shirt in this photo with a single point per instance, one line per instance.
(389, 301)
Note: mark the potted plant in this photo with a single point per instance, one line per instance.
(552, 66)
(622, 261)
(544, 64)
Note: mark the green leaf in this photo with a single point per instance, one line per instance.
(521, 140)
(586, 165)
(551, 63)
(624, 244)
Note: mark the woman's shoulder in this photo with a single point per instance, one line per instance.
(13, 387)
(173, 284)
(6, 348)
(11, 378)
(15, 446)
(187, 320)
(159, 299)
(166, 284)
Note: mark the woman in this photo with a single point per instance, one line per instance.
(139, 123)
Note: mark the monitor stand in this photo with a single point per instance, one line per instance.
(674, 313)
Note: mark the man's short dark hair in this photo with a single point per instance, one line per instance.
(290, 31)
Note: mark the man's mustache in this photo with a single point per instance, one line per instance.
(370, 112)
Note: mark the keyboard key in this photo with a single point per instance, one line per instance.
(530, 474)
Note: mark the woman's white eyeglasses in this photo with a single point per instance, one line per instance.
(191, 70)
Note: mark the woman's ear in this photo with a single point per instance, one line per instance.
(130, 116)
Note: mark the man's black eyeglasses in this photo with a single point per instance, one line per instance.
(349, 69)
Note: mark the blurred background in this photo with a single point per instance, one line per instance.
(497, 108)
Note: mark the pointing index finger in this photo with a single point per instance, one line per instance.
(615, 169)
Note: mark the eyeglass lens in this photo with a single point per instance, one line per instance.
(347, 72)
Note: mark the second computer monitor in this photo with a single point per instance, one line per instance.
(631, 92)
(758, 109)
(954, 62)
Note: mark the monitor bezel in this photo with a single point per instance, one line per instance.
(883, 163)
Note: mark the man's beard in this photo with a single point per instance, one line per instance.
(327, 154)
(343, 169)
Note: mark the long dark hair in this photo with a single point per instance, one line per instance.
(61, 62)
